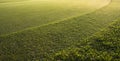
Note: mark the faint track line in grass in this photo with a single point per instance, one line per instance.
(55, 22)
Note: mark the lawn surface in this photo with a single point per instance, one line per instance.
(38, 37)
(16, 16)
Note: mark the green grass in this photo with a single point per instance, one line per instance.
(41, 42)
(103, 46)
(4, 1)
(16, 16)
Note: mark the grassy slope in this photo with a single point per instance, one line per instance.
(39, 42)
(103, 46)
(15, 16)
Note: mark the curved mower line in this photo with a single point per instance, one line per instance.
(41, 42)
(58, 21)
(21, 15)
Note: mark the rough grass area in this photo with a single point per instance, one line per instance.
(103, 46)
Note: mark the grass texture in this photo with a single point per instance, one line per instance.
(52, 35)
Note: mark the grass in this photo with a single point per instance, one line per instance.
(16, 16)
(102, 46)
(4, 1)
(41, 42)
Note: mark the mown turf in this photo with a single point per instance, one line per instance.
(5, 1)
(103, 46)
(15, 16)
(40, 42)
